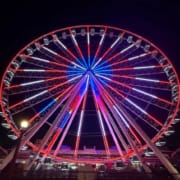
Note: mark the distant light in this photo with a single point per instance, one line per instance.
(130, 39)
(168, 133)
(73, 167)
(24, 124)
(46, 41)
(12, 136)
(30, 51)
(83, 32)
(64, 35)
(170, 130)
(149, 153)
(24, 148)
(147, 47)
(160, 143)
(31, 155)
(135, 160)
(92, 31)
(5, 125)
(176, 120)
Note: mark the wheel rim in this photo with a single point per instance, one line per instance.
(54, 79)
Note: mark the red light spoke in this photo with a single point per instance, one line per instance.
(77, 47)
(110, 99)
(96, 100)
(99, 46)
(35, 82)
(122, 51)
(137, 90)
(42, 60)
(108, 50)
(151, 117)
(52, 142)
(88, 46)
(37, 95)
(80, 126)
(58, 42)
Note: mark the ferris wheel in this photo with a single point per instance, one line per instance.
(90, 87)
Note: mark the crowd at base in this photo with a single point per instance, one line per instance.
(87, 172)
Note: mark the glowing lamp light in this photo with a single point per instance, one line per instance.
(24, 124)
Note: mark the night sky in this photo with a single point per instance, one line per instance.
(156, 20)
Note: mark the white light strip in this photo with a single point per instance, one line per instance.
(150, 80)
(80, 123)
(30, 83)
(145, 93)
(102, 38)
(49, 50)
(57, 55)
(87, 82)
(61, 44)
(39, 59)
(101, 123)
(136, 57)
(123, 119)
(127, 48)
(103, 77)
(32, 97)
(75, 42)
(115, 42)
(72, 79)
(78, 65)
(135, 105)
(33, 70)
(144, 67)
(97, 63)
(88, 38)
(106, 51)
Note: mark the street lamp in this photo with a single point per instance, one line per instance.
(24, 124)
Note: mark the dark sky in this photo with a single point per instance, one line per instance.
(23, 21)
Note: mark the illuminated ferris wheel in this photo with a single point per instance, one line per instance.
(90, 86)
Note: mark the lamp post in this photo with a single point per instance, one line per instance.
(24, 124)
